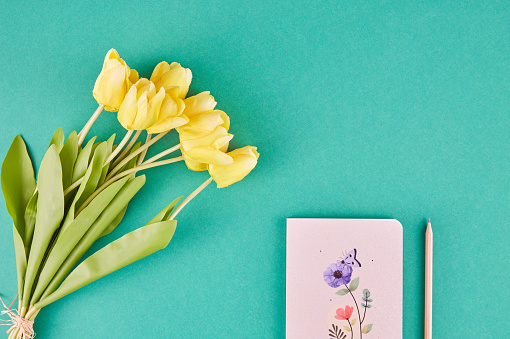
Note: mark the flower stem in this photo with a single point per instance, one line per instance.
(32, 313)
(88, 125)
(73, 186)
(134, 154)
(127, 149)
(349, 322)
(14, 333)
(364, 313)
(144, 153)
(117, 150)
(188, 199)
(162, 154)
(357, 308)
(116, 169)
(125, 173)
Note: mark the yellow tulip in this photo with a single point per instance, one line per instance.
(173, 75)
(171, 113)
(204, 140)
(141, 106)
(133, 77)
(198, 104)
(113, 82)
(245, 159)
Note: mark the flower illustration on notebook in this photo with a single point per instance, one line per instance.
(340, 274)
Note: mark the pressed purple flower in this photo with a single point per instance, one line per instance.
(337, 274)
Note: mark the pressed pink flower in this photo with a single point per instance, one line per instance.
(342, 314)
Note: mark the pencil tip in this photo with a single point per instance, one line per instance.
(429, 220)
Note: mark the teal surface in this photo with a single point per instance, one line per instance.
(369, 109)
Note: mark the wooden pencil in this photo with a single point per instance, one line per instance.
(428, 281)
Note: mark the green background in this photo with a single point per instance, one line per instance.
(360, 109)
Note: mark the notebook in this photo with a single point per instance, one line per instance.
(344, 278)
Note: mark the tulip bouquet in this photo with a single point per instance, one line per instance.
(82, 192)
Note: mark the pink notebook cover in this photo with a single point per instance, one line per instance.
(344, 278)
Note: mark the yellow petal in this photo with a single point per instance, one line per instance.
(169, 108)
(172, 91)
(128, 109)
(151, 91)
(245, 159)
(142, 86)
(111, 85)
(112, 54)
(189, 76)
(207, 140)
(200, 125)
(173, 75)
(226, 119)
(160, 68)
(246, 150)
(168, 124)
(199, 103)
(209, 155)
(154, 108)
(194, 165)
(222, 143)
(170, 114)
(133, 76)
(141, 113)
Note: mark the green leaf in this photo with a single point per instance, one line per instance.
(91, 179)
(354, 284)
(30, 216)
(369, 300)
(58, 139)
(88, 184)
(113, 225)
(109, 150)
(366, 293)
(363, 305)
(18, 182)
(343, 291)
(93, 149)
(116, 255)
(68, 156)
(367, 328)
(72, 235)
(120, 201)
(82, 161)
(50, 210)
(18, 186)
(21, 259)
(369, 306)
(165, 213)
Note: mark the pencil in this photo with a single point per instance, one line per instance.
(428, 282)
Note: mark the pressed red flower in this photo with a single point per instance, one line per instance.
(344, 314)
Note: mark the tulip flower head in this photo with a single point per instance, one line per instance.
(113, 82)
(141, 106)
(342, 314)
(171, 113)
(199, 103)
(173, 75)
(245, 159)
(204, 140)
